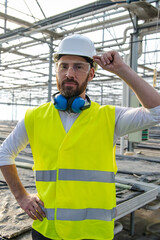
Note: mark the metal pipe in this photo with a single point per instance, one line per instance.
(101, 24)
(50, 69)
(82, 29)
(153, 206)
(119, 43)
(59, 36)
(91, 18)
(149, 25)
(133, 64)
(91, 13)
(5, 21)
(132, 223)
(118, 227)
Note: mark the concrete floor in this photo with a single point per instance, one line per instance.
(142, 219)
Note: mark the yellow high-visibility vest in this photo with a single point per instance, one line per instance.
(74, 171)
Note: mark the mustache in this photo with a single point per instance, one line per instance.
(69, 80)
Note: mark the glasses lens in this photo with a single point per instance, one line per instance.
(78, 67)
(81, 67)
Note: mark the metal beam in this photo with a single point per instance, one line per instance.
(89, 8)
(27, 25)
(50, 69)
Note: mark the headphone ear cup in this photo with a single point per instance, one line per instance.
(60, 102)
(77, 104)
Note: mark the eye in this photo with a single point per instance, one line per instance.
(79, 66)
(63, 66)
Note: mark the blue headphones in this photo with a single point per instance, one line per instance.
(74, 104)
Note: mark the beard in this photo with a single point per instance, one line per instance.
(70, 91)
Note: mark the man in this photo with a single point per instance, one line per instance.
(72, 142)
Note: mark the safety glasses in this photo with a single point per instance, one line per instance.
(77, 67)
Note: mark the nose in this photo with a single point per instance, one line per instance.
(70, 72)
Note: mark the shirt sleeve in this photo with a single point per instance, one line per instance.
(130, 120)
(13, 144)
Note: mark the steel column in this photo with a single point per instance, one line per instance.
(50, 69)
(133, 101)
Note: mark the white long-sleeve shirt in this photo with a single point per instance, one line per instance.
(127, 120)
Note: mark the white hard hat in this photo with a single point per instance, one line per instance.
(78, 45)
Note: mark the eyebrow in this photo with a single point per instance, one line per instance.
(74, 62)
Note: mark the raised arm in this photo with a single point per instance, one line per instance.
(112, 62)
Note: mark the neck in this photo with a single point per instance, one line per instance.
(83, 95)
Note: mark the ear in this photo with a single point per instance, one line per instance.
(91, 74)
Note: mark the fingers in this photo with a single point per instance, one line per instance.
(30, 214)
(40, 206)
(35, 212)
(39, 210)
(36, 208)
(97, 59)
(105, 59)
(39, 201)
(33, 206)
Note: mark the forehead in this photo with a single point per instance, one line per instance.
(72, 58)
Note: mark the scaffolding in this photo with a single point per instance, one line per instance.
(27, 44)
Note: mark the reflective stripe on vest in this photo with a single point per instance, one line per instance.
(80, 214)
(49, 212)
(46, 176)
(76, 175)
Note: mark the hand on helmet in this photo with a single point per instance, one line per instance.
(110, 61)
